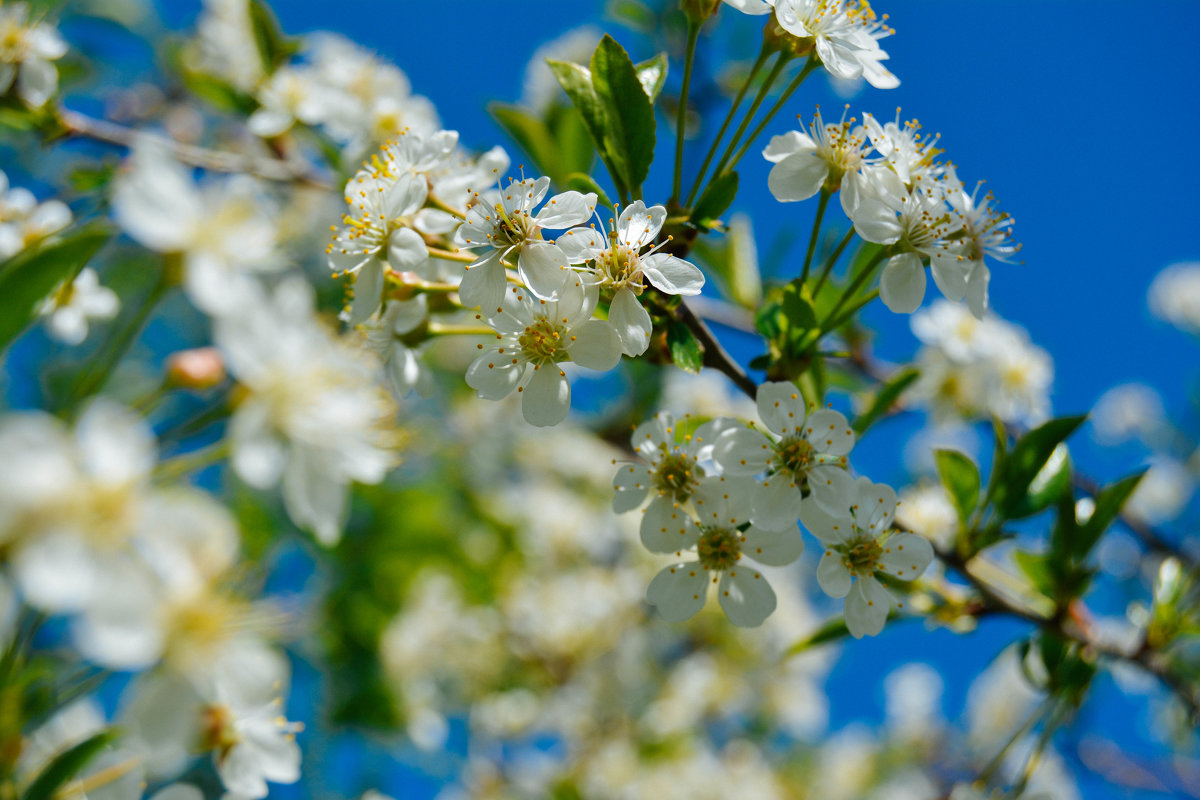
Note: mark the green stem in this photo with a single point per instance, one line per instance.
(849, 312)
(173, 469)
(1041, 711)
(809, 66)
(833, 259)
(681, 116)
(737, 101)
(816, 230)
(1031, 763)
(861, 278)
(763, 91)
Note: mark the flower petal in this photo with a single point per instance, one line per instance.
(906, 555)
(483, 284)
(638, 225)
(867, 607)
(368, 291)
(630, 321)
(567, 209)
(493, 375)
(829, 432)
(406, 250)
(775, 548)
(832, 575)
(742, 451)
(775, 503)
(780, 407)
(746, 597)
(582, 244)
(902, 285)
(543, 268)
(829, 528)
(596, 346)
(666, 528)
(547, 397)
(798, 177)
(673, 275)
(678, 591)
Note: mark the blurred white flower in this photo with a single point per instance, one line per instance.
(225, 44)
(927, 510)
(23, 220)
(1175, 296)
(1126, 411)
(27, 49)
(68, 309)
(539, 87)
(1163, 492)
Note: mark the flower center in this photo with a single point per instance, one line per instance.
(675, 476)
(510, 230)
(719, 548)
(622, 267)
(861, 556)
(541, 341)
(794, 454)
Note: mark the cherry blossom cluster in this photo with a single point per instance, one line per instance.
(899, 194)
(731, 494)
(28, 48)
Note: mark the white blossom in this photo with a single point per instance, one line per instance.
(1175, 296)
(68, 309)
(27, 49)
(846, 35)
(829, 157)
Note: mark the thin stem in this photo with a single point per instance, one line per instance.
(681, 116)
(102, 130)
(816, 231)
(715, 355)
(832, 260)
(453, 255)
(1035, 756)
(442, 205)
(174, 468)
(737, 101)
(763, 91)
(809, 66)
(834, 324)
(441, 329)
(861, 278)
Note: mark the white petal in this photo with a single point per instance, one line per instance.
(678, 592)
(832, 488)
(902, 284)
(547, 397)
(666, 528)
(368, 292)
(493, 375)
(57, 571)
(775, 548)
(867, 607)
(543, 268)
(949, 274)
(117, 446)
(630, 321)
(780, 147)
(829, 432)
(742, 451)
(829, 528)
(582, 244)
(673, 275)
(406, 250)
(567, 209)
(259, 455)
(37, 82)
(314, 498)
(483, 283)
(746, 597)
(876, 222)
(775, 503)
(631, 483)
(596, 346)
(977, 290)
(906, 555)
(639, 225)
(798, 177)
(781, 407)
(832, 575)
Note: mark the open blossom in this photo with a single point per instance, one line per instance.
(617, 265)
(846, 34)
(291, 95)
(315, 414)
(223, 229)
(726, 542)
(672, 470)
(532, 337)
(860, 541)
(829, 159)
(24, 221)
(802, 449)
(385, 336)
(513, 232)
(68, 309)
(981, 231)
(26, 52)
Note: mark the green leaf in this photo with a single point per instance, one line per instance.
(531, 135)
(717, 198)
(831, 631)
(65, 766)
(653, 74)
(1026, 460)
(273, 47)
(960, 476)
(634, 14)
(630, 127)
(576, 81)
(686, 351)
(1036, 567)
(1109, 502)
(31, 275)
(885, 398)
(584, 183)
(1051, 482)
(576, 152)
(802, 327)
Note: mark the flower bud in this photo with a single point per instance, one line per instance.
(700, 10)
(199, 369)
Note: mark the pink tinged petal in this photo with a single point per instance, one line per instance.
(666, 528)
(790, 143)
(368, 292)
(678, 592)
(673, 275)
(742, 451)
(494, 376)
(630, 321)
(567, 209)
(406, 250)
(780, 407)
(775, 548)
(829, 432)
(547, 397)
(596, 346)
(977, 290)
(543, 268)
(582, 244)
(829, 528)
(483, 283)
(867, 607)
(797, 177)
(949, 273)
(745, 596)
(832, 488)
(902, 284)
(775, 503)
(906, 555)
(37, 81)
(637, 226)
(631, 484)
(832, 575)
